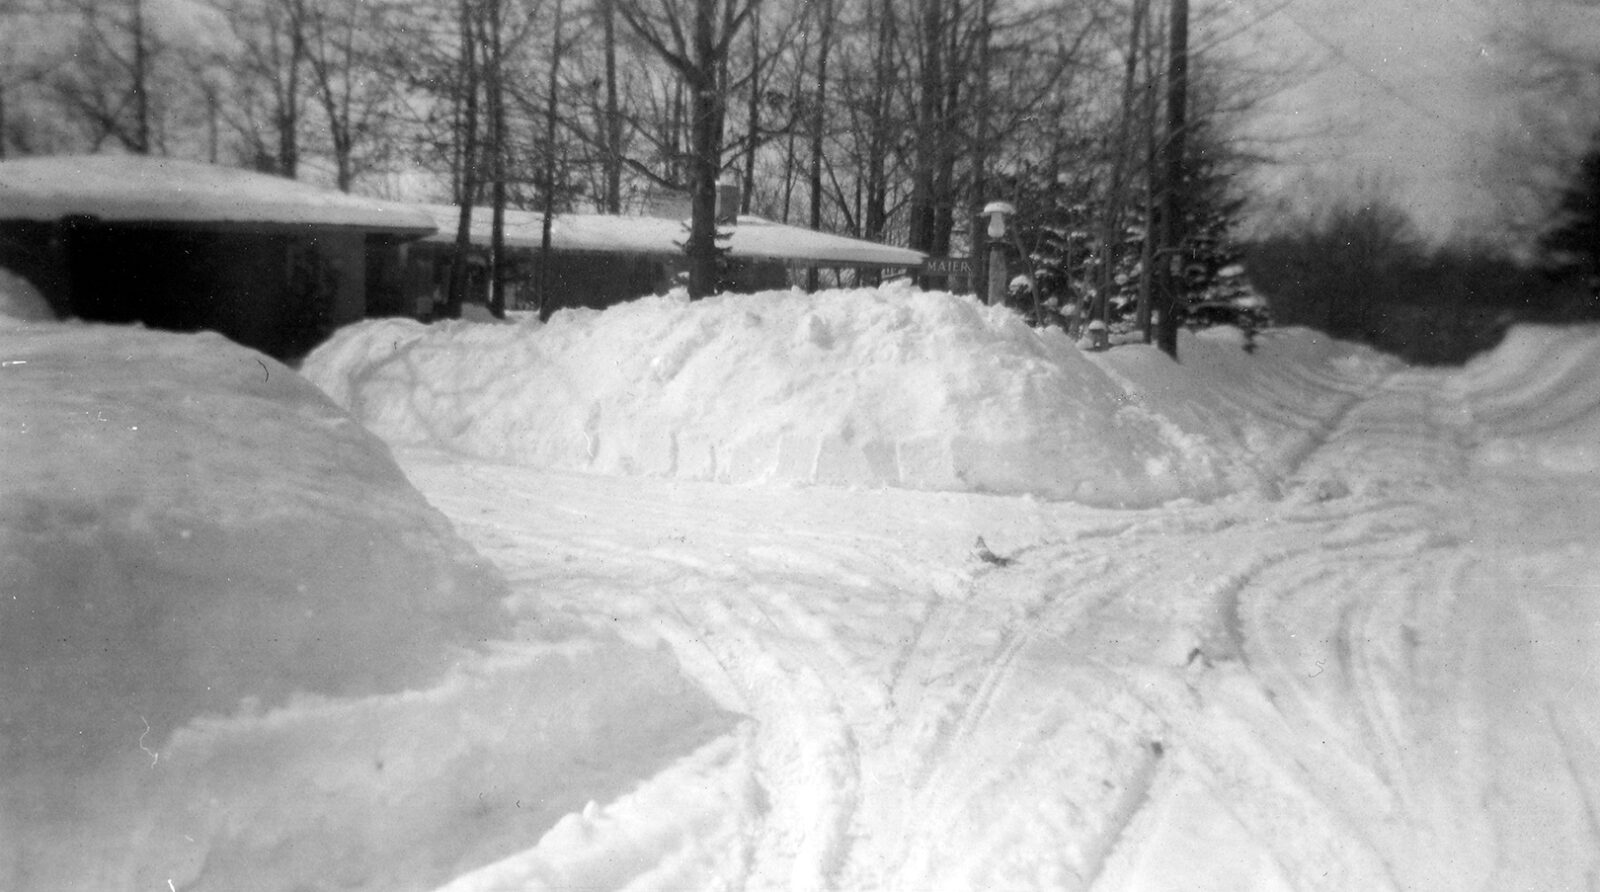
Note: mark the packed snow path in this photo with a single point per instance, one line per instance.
(1378, 676)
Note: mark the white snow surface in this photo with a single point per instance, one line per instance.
(141, 188)
(238, 650)
(749, 237)
(1341, 636)
(889, 387)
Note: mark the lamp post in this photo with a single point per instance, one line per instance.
(997, 212)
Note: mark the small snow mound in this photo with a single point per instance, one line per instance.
(20, 301)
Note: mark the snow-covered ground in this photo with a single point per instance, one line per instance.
(865, 590)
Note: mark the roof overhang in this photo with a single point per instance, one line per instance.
(170, 193)
(752, 238)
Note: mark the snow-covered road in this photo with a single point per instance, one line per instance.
(1378, 674)
(857, 590)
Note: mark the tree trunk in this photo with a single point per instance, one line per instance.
(930, 90)
(818, 123)
(1176, 173)
(1149, 257)
(1111, 219)
(547, 304)
(469, 164)
(288, 111)
(497, 164)
(753, 113)
(980, 150)
(875, 217)
(945, 137)
(706, 150)
(613, 114)
(141, 81)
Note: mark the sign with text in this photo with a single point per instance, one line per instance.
(948, 266)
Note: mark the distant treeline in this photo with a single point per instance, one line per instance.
(1361, 273)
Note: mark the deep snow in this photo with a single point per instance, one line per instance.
(1298, 618)
(878, 387)
(240, 651)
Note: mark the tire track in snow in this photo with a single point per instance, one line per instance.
(975, 698)
(1247, 727)
(1079, 596)
(965, 655)
(961, 660)
(1134, 798)
(1350, 680)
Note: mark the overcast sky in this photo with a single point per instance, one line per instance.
(1411, 98)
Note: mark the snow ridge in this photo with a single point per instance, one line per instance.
(868, 388)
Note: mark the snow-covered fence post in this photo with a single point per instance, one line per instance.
(997, 212)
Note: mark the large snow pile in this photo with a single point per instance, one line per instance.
(1535, 396)
(238, 647)
(866, 387)
(187, 491)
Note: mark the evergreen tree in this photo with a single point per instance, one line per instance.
(1211, 217)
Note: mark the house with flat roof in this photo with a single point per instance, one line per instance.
(270, 262)
(597, 260)
(278, 264)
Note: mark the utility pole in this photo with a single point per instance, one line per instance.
(1175, 192)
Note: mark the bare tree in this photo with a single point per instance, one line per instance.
(27, 61)
(552, 110)
(355, 97)
(819, 120)
(611, 119)
(695, 43)
(468, 83)
(109, 88)
(267, 103)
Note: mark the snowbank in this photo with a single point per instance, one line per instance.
(20, 302)
(1535, 395)
(871, 387)
(1264, 407)
(232, 532)
(238, 647)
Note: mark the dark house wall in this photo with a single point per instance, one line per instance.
(393, 287)
(281, 292)
(599, 280)
(585, 279)
(577, 279)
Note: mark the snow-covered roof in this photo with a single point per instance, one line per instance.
(143, 189)
(752, 238)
